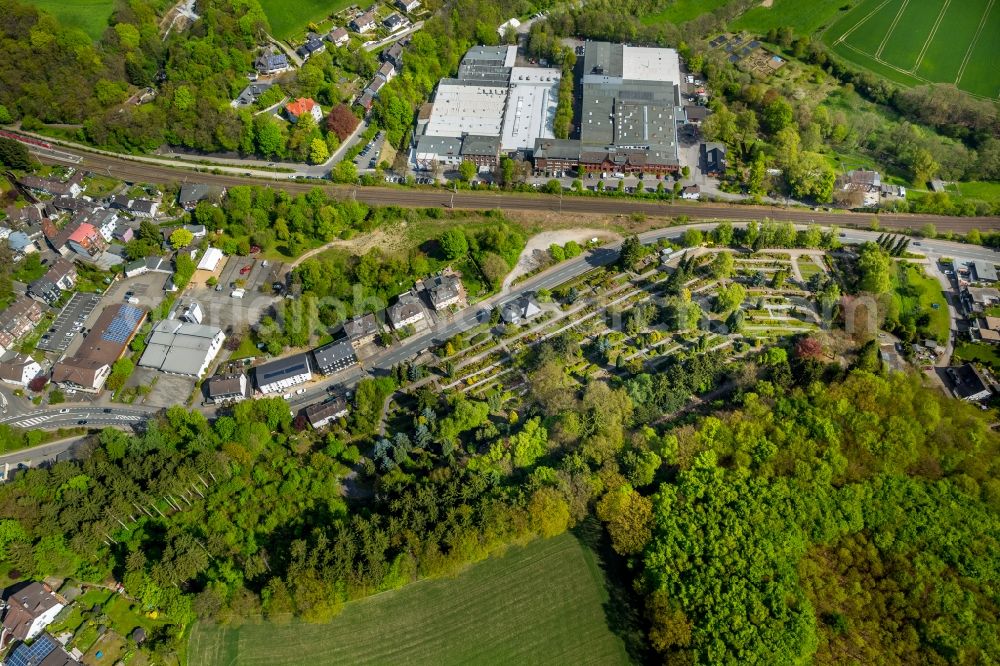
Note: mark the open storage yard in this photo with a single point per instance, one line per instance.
(931, 41)
(543, 603)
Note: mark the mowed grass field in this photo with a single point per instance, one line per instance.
(91, 16)
(540, 604)
(924, 41)
(289, 18)
(680, 11)
(805, 17)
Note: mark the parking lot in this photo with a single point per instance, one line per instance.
(231, 314)
(148, 288)
(69, 322)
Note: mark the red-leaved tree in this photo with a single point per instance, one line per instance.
(341, 121)
(809, 348)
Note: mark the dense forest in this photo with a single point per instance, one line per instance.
(829, 515)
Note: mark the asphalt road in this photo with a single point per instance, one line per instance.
(51, 417)
(468, 318)
(36, 455)
(410, 197)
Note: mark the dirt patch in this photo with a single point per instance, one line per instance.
(767, 3)
(535, 252)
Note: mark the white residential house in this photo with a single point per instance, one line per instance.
(338, 37)
(408, 5)
(19, 369)
(363, 23)
(28, 609)
(283, 373)
(691, 192)
(106, 221)
(406, 311)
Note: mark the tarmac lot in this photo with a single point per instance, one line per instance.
(148, 288)
(232, 314)
(168, 390)
(69, 322)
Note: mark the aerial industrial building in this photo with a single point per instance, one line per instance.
(629, 111)
(491, 108)
(182, 347)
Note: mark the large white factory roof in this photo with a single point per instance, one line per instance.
(531, 107)
(650, 64)
(467, 108)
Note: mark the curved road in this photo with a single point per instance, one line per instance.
(382, 361)
(143, 170)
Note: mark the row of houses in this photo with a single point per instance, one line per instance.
(392, 61)
(17, 321)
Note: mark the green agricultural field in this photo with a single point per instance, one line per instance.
(541, 604)
(804, 17)
(927, 41)
(91, 16)
(683, 10)
(289, 19)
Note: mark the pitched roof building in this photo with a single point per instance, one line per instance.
(283, 373)
(520, 310)
(18, 320)
(442, 290)
(406, 311)
(334, 357)
(361, 330)
(322, 413)
(303, 106)
(30, 607)
(222, 388)
(44, 651)
(85, 374)
(18, 369)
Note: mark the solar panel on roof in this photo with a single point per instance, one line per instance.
(31, 655)
(123, 324)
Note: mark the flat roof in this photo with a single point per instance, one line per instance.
(180, 347)
(463, 108)
(641, 63)
(531, 107)
(985, 271)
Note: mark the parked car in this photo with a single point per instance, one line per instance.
(245, 270)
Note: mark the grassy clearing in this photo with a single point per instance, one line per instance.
(805, 18)
(979, 190)
(91, 16)
(979, 352)
(683, 10)
(921, 294)
(542, 603)
(289, 19)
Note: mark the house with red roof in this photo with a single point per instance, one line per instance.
(86, 240)
(303, 106)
